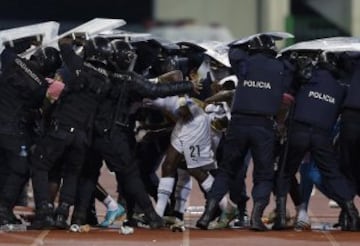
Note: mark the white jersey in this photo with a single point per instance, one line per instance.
(193, 140)
(216, 111)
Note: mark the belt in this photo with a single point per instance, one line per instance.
(250, 119)
(307, 126)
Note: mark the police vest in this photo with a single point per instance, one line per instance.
(352, 99)
(260, 87)
(319, 100)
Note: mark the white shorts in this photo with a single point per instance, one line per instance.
(193, 140)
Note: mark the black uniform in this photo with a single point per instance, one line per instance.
(262, 81)
(318, 103)
(114, 140)
(68, 136)
(350, 131)
(22, 90)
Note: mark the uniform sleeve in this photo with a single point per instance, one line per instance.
(355, 78)
(145, 88)
(64, 74)
(289, 84)
(7, 57)
(238, 59)
(32, 87)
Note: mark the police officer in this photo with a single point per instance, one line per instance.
(349, 130)
(317, 105)
(258, 96)
(349, 124)
(114, 139)
(71, 124)
(22, 90)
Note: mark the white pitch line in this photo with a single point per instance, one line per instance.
(327, 234)
(190, 211)
(39, 240)
(186, 237)
(331, 239)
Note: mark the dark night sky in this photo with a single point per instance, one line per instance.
(133, 11)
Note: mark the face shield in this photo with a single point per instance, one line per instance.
(164, 64)
(124, 55)
(47, 60)
(218, 71)
(305, 62)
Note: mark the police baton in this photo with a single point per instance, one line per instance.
(285, 139)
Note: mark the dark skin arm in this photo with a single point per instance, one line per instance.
(221, 96)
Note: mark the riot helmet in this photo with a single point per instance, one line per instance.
(98, 49)
(218, 70)
(47, 59)
(164, 64)
(262, 43)
(328, 57)
(305, 62)
(347, 60)
(329, 61)
(124, 55)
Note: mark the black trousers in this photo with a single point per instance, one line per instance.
(305, 138)
(67, 144)
(247, 133)
(88, 179)
(349, 151)
(148, 155)
(14, 165)
(118, 151)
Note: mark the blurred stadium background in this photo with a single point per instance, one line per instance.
(197, 19)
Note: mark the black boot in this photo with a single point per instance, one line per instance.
(211, 208)
(256, 223)
(153, 219)
(61, 215)
(353, 216)
(92, 216)
(243, 217)
(43, 217)
(343, 221)
(280, 218)
(7, 216)
(79, 217)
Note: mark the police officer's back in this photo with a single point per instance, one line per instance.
(262, 81)
(350, 119)
(317, 105)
